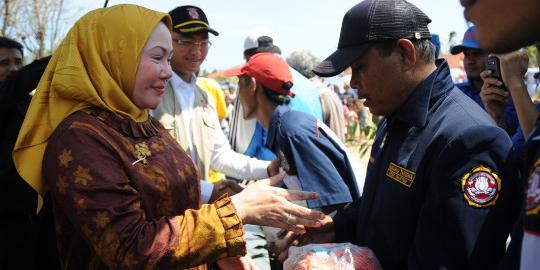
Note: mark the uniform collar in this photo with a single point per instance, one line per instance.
(416, 108)
(274, 124)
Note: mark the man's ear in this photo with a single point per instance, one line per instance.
(253, 87)
(408, 53)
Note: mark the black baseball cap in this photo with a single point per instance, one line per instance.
(190, 19)
(372, 21)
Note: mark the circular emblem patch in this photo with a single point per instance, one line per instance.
(481, 187)
(533, 191)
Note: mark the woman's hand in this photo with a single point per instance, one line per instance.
(262, 204)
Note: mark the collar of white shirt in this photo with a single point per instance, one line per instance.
(179, 83)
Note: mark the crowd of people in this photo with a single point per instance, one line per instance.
(116, 154)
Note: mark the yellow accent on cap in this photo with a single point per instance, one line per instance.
(194, 29)
(190, 22)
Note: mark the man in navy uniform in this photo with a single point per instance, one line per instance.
(440, 189)
(474, 60)
(519, 28)
(309, 152)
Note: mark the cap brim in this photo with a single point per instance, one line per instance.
(340, 60)
(457, 49)
(466, 45)
(234, 71)
(197, 29)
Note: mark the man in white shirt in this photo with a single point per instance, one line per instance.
(186, 111)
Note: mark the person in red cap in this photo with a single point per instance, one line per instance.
(308, 151)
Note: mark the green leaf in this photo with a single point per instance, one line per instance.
(261, 255)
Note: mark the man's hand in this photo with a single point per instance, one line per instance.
(513, 68)
(323, 234)
(236, 263)
(494, 97)
(273, 168)
(225, 186)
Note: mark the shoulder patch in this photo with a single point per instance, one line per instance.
(481, 187)
(533, 190)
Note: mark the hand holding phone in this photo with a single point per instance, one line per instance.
(493, 63)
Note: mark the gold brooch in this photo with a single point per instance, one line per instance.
(141, 152)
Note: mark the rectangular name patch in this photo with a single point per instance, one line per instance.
(400, 174)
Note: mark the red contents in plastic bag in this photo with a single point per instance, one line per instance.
(344, 256)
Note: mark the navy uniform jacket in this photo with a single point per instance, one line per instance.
(439, 191)
(308, 152)
(531, 223)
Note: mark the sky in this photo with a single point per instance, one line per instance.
(312, 25)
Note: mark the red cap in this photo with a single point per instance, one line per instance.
(269, 70)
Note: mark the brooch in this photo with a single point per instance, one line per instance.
(141, 152)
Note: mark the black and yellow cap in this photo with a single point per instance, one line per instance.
(190, 19)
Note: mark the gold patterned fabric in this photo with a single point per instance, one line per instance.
(126, 196)
(95, 65)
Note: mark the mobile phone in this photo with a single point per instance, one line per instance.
(493, 64)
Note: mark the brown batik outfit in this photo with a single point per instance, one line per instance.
(127, 197)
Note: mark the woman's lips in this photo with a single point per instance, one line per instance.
(159, 89)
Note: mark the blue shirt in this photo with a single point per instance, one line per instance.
(440, 189)
(518, 140)
(306, 100)
(307, 97)
(510, 114)
(306, 151)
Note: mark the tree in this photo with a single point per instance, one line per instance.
(38, 24)
(452, 40)
(531, 52)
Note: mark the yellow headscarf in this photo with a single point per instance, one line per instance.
(95, 65)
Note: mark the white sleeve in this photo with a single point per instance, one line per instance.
(529, 251)
(233, 164)
(206, 191)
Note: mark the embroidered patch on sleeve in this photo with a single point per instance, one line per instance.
(533, 190)
(400, 174)
(481, 187)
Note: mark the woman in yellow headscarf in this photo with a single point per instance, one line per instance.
(125, 196)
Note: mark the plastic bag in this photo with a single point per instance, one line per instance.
(343, 256)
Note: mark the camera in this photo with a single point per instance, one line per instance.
(493, 64)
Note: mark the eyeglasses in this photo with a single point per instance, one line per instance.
(191, 44)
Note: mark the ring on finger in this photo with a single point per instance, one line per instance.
(289, 215)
